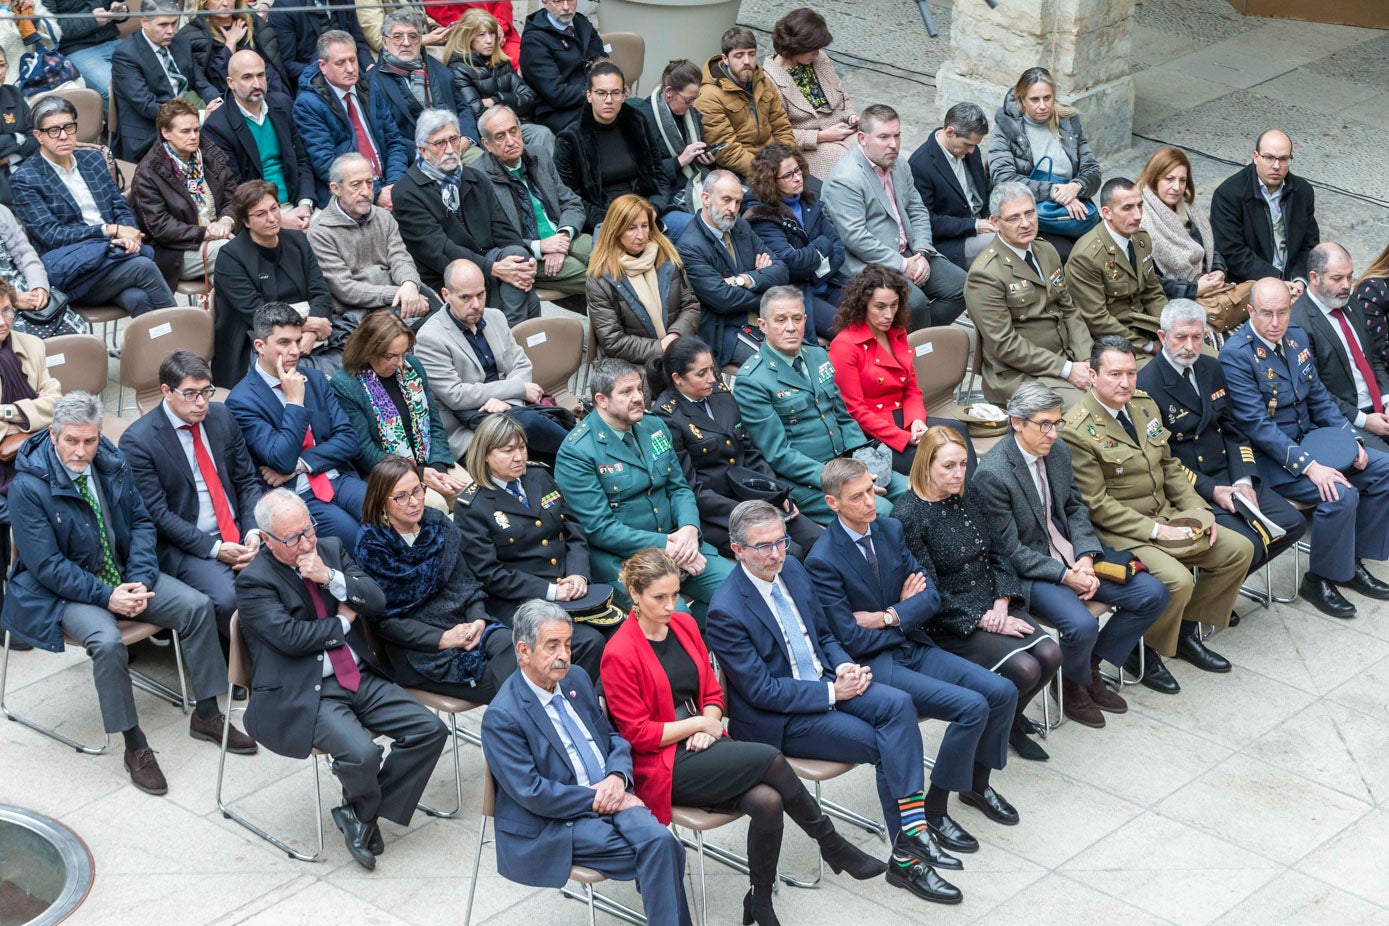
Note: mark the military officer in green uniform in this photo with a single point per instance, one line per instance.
(624, 484)
(1134, 487)
(1112, 276)
(1016, 296)
(792, 409)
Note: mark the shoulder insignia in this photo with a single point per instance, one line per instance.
(669, 407)
(721, 386)
(537, 463)
(574, 435)
(465, 498)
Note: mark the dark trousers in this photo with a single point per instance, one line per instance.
(1140, 601)
(213, 578)
(1361, 511)
(135, 284)
(941, 299)
(374, 789)
(543, 433)
(977, 704)
(342, 516)
(516, 305)
(631, 845)
(1280, 512)
(877, 728)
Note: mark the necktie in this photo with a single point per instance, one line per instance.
(1358, 355)
(514, 487)
(704, 407)
(1061, 548)
(344, 666)
(1128, 425)
(176, 78)
(802, 659)
(1128, 249)
(1032, 262)
(866, 545)
(226, 524)
(109, 573)
(319, 483)
(1278, 349)
(798, 365)
(630, 440)
(359, 129)
(1190, 379)
(578, 740)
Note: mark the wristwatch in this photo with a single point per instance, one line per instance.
(7, 412)
(889, 618)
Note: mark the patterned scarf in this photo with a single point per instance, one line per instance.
(809, 85)
(1175, 254)
(389, 420)
(416, 78)
(449, 183)
(191, 173)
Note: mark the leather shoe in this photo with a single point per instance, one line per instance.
(144, 771)
(19, 646)
(842, 855)
(356, 834)
(376, 844)
(924, 847)
(1026, 747)
(1201, 656)
(1323, 596)
(992, 805)
(1234, 619)
(1102, 696)
(239, 693)
(910, 871)
(1155, 674)
(1366, 584)
(1076, 705)
(951, 835)
(210, 729)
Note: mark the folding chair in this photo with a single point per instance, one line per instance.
(817, 771)
(628, 52)
(555, 346)
(78, 362)
(152, 337)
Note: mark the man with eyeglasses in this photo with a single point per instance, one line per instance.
(411, 81)
(558, 46)
(1264, 218)
(316, 682)
(1029, 328)
(198, 483)
(1292, 422)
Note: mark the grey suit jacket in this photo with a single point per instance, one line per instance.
(563, 205)
(857, 204)
(1334, 363)
(456, 376)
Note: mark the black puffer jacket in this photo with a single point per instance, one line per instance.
(474, 79)
(576, 156)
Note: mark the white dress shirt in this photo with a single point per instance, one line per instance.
(207, 518)
(337, 587)
(547, 700)
(301, 483)
(957, 165)
(362, 113)
(81, 195)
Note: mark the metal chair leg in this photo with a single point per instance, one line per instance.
(33, 725)
(597, 901)
(820, 861)
(157, 688)
(477, 863)
(457, 742)
(1297, 578)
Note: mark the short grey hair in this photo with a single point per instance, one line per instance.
(839, 472)
(399, 15)
(338, 169)
(967, 119)
(749, 514)
(874, 115)
(1181, 311)
(1006, 192)
(273, 502)
(77, 408)
(152, 8)
(779, 294)
(531, 616)
(330, 38)
(491, 113)
(431, 121)
(1033, 397)
(605, 373)
(51, 106)
(714, 176)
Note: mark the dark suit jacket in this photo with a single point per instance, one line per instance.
(226, 127)
(723, 308)
(298, 34)
(406, 109)
(165, 480)
(275, 432)
(538, 795)
(951, 219)
(472, 230)
(286, 642)
(1243, 228)
(1334, 363)
(139, 86)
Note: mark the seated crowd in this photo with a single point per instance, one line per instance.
(387, 499)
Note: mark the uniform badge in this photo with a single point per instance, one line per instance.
(1304, 356)
(549, 499)
(694, 429)
(1269, 372)
(1217, 395)
(1154, 429)
(1112, 269)
(9, 119)
(1118, 471)
(826, 372)
(1056, 278)
(1091, 429)
(784, 393)
(502, 520)
(660, 444)
(1273, 406)
(1260, 353)
(1108, 444)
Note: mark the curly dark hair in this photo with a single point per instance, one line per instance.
(762, 180)
(854, 306)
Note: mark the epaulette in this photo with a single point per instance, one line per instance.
(750, 364)
(537, 463)
(1077, 414)
(465, 498)
(720, 385)
(669, 407)
(579, 431)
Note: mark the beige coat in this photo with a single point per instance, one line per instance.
(33, 361)
(806, 121)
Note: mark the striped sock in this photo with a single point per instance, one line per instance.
(913, 813)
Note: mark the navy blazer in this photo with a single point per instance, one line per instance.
(723, 308)
(49, 213)
(746, 637)
(538, 795)
(227, 129)
(275, 432)
(951, 219)
(139, 86)
(406, 109)
(298, 34)
(165, 480)
(844, 584)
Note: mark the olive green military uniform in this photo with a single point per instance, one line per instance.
(1113, 296)
(1129, 490)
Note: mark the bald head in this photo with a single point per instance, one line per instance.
(1270, 305)
(465, 291)
(1330, 274)
(462, 272)
(246, 78)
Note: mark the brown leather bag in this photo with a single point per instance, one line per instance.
(9, 446)
(1228, 309)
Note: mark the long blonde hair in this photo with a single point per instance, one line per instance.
(1059, 110)
(606, 259)
(238, 10)
(1378, 269)
(473, 23)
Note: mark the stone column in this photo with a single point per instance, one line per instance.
(1086, 44)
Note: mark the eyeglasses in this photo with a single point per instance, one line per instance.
(404, 38)
(194, 395)
(1283, 161)
(790, 174)
(444, 143)
(609, 94)
(401, 498)
(1046, 427)
(58, 131)
(293, 539)
(687, 100)
(767, 549)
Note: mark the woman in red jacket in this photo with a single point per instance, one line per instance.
(873, 366)
(663, 696)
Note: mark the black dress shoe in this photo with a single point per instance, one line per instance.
(1323, 596)
(1234, 619)
(1366, 584)
(951, 835)
(992, 805)
(376, 844)
(1155, 674)
(924, 847)
(1026, 747)
(356, 834)
(1201, 656)
(911, 872)
(239, 693)
(1028, 725)
(19, 646)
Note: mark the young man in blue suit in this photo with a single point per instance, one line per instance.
(297, 433)
(792, 685)
(563, 776)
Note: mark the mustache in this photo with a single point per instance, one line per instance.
(560, 664)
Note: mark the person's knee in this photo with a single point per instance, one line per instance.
(358, 751)
(106, 644)
(973, 711)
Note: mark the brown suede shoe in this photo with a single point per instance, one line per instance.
(210, 729)
(1078, 705)
(1104, 697)
(144, 771)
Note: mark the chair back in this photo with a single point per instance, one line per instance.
(151, 337)
(113, 426)
(238, 657)
(628, 53)
(939, 356)
(489, 792)
(78, 362)
(555, 346)
(87, 102)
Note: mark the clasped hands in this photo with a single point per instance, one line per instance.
(611, 796)
(683, 547)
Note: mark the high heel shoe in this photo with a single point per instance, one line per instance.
(757, 908)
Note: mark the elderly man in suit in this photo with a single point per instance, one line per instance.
(1029, 329)
(871, 199)
(148, 69)
(316, 681)
(1134, 486)
(198, 483)
(949, 174)
(1281, 401)
(476, 368)
(1029, 492)
(792, 685)
(1264, 219)
(562, 776)
(1111, 274)
(877, 600)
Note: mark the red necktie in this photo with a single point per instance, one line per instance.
(1361, 364)
(344, 666)
(226, 524)
(319, 483)
(359, 129)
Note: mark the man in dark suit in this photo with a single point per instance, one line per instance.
(792, 685)
(949, 174)
(295, 429)
(148, 70)
(298, 30)
(198, 483)
(1352, 371)
(562, 776)
(316, 682)
(1264, 219)
(411, 80)
(558, 46)
(877, 601)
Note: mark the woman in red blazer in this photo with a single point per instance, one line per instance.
(873, 366)
(663, 696)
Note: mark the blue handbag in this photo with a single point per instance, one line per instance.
(1052, 217)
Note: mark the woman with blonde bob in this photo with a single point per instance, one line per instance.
(639, 299)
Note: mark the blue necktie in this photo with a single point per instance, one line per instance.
(514, 487)
(801, 656)
(578, 740)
